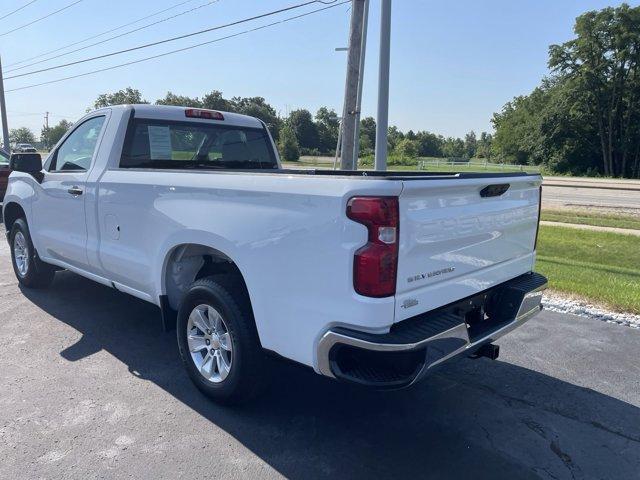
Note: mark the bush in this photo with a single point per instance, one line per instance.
(366, 161)
(407, 148)
(400, 160)
(289, 149)
(392, 160)
(310, 152)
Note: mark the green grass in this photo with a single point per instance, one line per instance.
(600, 266)
(592, 218)
(470, 167)
(474, 167)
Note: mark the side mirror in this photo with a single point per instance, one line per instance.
(30, 163)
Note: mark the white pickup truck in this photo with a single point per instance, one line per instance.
(367, 277)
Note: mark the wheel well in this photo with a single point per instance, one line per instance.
(189, 262)
(12, 212)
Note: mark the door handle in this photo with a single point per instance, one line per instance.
(75, 191)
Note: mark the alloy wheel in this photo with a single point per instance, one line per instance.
(21, 253)
(210, 344)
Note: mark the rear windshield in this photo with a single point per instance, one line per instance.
(179, 145)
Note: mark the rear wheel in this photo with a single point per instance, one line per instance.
(218, 341)
(29, 269)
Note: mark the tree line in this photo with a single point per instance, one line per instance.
(49, 136)
(298, 133)
(303, 133)
(584, 119)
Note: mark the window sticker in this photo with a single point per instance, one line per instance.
(159, 142)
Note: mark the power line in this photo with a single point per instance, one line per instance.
(41, 18)
(18, 9)
(115, 36)
(30, 114)
(73, 44)
(172, 39)
(182, 49)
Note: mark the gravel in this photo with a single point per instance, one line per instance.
(557, 303)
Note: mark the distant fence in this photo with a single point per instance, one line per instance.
(444, 162)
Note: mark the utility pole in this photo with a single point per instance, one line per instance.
(382, 127)
(46, 129)
(3, 113)
(356, 136)
(347, 162)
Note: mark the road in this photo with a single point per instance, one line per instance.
(616, 195)
(91, 388)
(619, 195)
(622, 200)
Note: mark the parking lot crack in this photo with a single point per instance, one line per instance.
(535, 427)
(510, 400)
(564, 457)
(545, 470)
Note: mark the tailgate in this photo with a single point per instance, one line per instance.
(455, 242)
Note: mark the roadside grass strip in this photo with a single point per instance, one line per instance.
(592, 218)
(600, 266)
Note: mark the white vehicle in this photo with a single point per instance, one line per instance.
(24, 147)
(367, 277)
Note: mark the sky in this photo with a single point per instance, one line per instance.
(453, 63)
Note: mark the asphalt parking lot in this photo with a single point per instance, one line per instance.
(91, 388)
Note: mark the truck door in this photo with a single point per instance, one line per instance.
(59, 205)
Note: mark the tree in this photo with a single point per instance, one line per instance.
(289, 149)
(453, 147)
(215, 101)
(518, 136)
(328, 126)
(394, 137)
(601, 67)
(549, 127)
(259, 108)
(179, 100)
(21, 135)
(470, 144)
(484, 146)
(301, 122)
(127, 96)
(367, 134)
(407, 148)
(50, 136)
(430, 144)
(585, 117)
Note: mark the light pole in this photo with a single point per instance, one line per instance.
(382, 127)
(356, 140)
(3, 114)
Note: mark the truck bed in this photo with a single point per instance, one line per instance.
(365, 174)
(391, 175)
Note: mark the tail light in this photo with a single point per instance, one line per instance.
(375, 265)
(206, 114)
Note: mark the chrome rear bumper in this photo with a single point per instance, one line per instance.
(432, 338)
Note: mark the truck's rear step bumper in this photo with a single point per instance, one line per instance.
(416, 345)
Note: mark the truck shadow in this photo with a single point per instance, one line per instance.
(473, 419)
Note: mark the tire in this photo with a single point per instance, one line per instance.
(219, 305)
(29, 269)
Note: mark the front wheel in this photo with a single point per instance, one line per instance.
(29, 269)
(218, 341)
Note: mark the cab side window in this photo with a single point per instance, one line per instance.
(77, 150)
